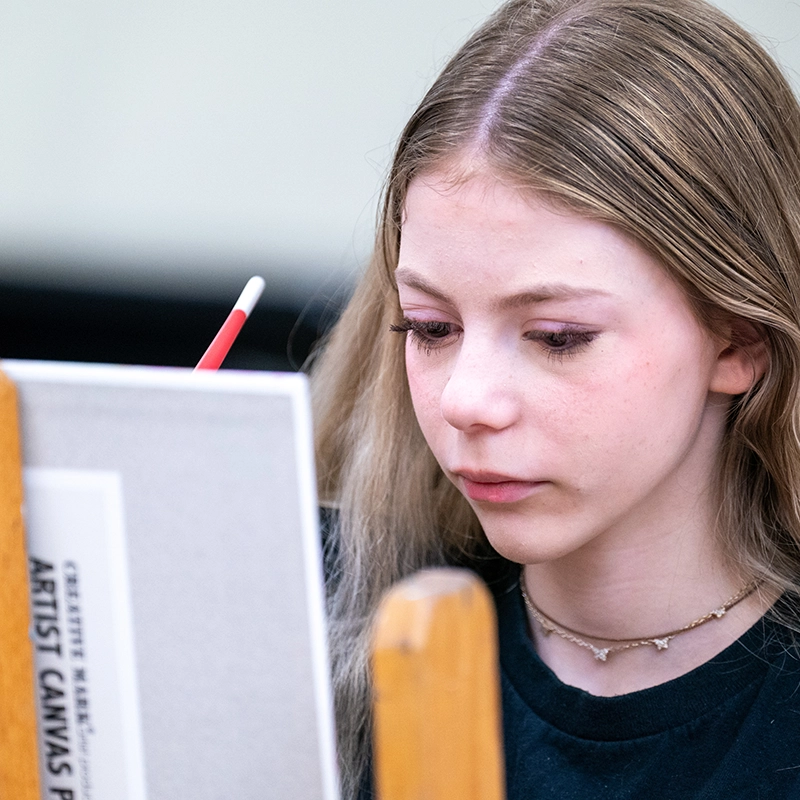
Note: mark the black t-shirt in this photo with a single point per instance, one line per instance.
(728, 729)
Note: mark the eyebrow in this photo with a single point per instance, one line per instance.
(538, 294)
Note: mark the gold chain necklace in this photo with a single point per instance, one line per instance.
(602, 653)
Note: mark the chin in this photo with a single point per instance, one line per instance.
(530, 549)
(533, 543)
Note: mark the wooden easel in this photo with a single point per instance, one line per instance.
(19, 774)
(437, 718)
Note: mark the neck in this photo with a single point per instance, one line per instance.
(605, 646)
(630, 587)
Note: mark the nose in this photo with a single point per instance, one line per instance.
(480, 391)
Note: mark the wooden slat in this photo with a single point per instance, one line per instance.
(437, 717)
(19, 775)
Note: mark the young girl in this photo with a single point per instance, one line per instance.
(573, 365)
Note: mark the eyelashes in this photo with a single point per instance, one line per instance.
(563, 343)
(558, 344)
(428, 336)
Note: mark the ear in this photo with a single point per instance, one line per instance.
(742, 358)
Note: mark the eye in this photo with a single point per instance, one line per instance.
(563, 343)
(428, 335)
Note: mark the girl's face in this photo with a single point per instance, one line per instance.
(557, 372)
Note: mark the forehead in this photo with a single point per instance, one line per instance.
(486, 231)
(457, 202)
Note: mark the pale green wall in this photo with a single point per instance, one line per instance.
(181, 144)
(777, 22)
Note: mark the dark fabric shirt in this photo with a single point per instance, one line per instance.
(728, 729)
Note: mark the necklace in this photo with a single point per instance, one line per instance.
(618, 645)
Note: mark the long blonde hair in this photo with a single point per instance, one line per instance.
(660, 117)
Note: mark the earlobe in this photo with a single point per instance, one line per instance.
(741, 361)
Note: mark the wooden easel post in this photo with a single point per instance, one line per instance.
(19, 770)
(437, 717)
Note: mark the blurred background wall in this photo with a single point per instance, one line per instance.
(154, 155)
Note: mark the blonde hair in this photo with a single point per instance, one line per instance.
(660, 117)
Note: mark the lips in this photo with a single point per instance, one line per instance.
(490, 487)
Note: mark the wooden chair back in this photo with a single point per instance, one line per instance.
(436, 703)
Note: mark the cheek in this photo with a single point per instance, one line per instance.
(423, 393)
(425, 384)
(646, 411)
(601, 407)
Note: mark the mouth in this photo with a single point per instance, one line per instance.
(490, 487)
